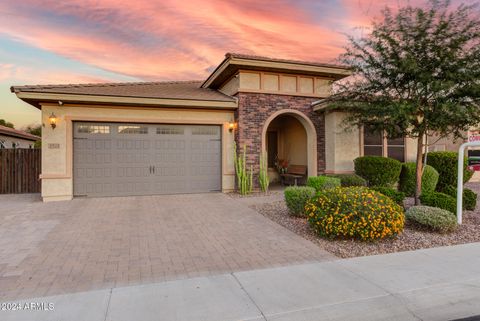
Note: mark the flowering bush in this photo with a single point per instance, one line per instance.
(354, 212)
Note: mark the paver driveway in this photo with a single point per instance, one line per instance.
(85, 244)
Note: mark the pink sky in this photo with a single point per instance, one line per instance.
(75, 41)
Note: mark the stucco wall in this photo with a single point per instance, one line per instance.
(231, 86)
(57, 147)
(292, 139)
(19, 142)
(342, 145)
(278, 83)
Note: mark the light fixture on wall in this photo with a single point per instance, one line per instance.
(231, 126)
(53, 120)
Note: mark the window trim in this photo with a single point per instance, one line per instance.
(384, 145)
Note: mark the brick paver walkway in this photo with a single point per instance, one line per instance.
(86, 244)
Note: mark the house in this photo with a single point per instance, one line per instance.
(13, 138)
(178, 137)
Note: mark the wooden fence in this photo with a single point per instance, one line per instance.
(20, 170)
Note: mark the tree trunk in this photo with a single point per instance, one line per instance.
(419, 169)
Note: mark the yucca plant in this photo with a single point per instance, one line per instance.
(244, 178)
(263, 174)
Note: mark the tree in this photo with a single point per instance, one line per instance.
(34, 130)
(37, 131)
(416, 72)
(5, 123)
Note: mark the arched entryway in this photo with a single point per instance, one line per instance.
(290, 135)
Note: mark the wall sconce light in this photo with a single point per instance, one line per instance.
(231, 126)
(53, 120)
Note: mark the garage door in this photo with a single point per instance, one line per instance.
(114, 159)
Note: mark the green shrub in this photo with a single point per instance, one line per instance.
(320, 183)
(440, 200)
(354, 212)
(446, 165)
(347, 180)
(395, 195)
(433, 218)
(377, 170)
(296, 197)
(408, 179)
(469, 199)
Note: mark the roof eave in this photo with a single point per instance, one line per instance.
(21, 136)
(35, 98)
(320, 105)
(335, 72)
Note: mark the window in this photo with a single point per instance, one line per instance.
(396, 148)
(94, 129)
(133, 129)
(170, 131)
(372, 142)
(376, 144)
(210, 130)
(3, 144)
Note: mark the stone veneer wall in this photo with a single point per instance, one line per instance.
(254, 109)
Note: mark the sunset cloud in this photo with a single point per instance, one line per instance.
(112, 40)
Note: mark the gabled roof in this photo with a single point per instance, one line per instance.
(144, 91)
(234, 61)
(17, 133)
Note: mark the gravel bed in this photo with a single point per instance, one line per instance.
(412, 237)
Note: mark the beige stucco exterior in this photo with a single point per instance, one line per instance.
(57, 145)
(277, 83)
(344, 144)
(292, 139)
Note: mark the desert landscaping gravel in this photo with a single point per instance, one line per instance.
(412, 238)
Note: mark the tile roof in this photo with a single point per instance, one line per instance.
(300, 62)
(189, 90)
(17, 133)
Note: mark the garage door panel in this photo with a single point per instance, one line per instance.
(140, 159)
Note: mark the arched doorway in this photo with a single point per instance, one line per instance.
(290, 135)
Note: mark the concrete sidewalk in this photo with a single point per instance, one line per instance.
(434, 284)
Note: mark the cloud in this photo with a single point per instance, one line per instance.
(168, 39)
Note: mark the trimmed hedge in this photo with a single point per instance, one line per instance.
(440, 200)
(395, 195)
(347, 180)
(446, 165)
(432, 218)
(408, 179)
(323, 182)
(469, 199)
(377, 170)
(296, 197)
(354, 212)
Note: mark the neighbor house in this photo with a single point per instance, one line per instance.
(178, 137)
(13, 138)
